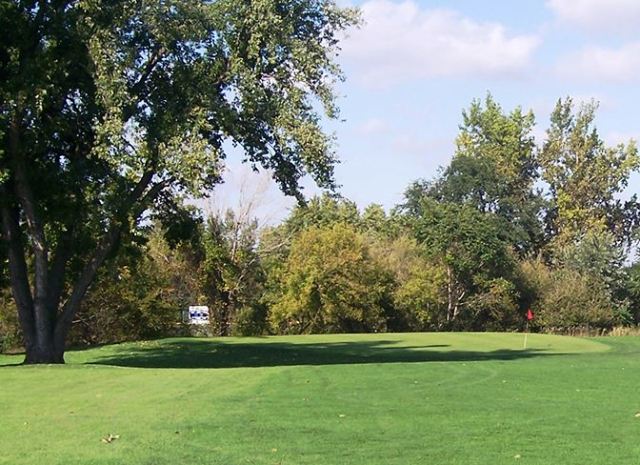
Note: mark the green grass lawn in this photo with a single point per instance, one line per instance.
(345, 399)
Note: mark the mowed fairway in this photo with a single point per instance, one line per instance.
(345, 399)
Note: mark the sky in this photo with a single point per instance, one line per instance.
(415, 65)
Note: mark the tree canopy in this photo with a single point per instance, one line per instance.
(584, 176)
(109, 109)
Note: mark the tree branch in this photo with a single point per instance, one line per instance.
(26, 199)
(106, 246)
(154, 59)
(17, 267)
(57, 269)
(136, 89)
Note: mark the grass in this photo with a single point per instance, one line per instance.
(344, 399)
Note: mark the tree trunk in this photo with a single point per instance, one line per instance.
(44, 321)
(45, 353)
(450, 295)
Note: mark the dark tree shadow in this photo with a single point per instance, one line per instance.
(199, 353)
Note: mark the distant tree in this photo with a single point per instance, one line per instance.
(10, 335)
(632, 291)
(106, 106)
(495, 306)
(470, 246)
(494, 169)
(564, 298)
(585, 176)
(323, 210)
(417, 286)
(140, 294)
(374, 218)
(328, 284)
(231, 275)
(595, 254)
(318, 212)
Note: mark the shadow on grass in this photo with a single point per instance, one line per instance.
(200, 353)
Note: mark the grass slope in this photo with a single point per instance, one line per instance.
(346, 399)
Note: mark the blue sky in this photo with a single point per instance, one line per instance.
(415, 65)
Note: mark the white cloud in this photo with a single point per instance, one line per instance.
(620, 64)
(372, 126)
(603, 15)
(401, 42)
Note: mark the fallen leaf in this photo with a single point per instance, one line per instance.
(110, 438)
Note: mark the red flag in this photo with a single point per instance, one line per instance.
(530, 315)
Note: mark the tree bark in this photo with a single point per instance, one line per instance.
(102, 251)
(37, 316)
(18, 274)
(450, 295)
(44, 326)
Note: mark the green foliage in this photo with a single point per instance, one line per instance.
(470, 246)
(493, 170)
(329, 284)
(251, 321)
(597, 255)
(465, 239)
(111, 109)
(584, 176)
(632, 291)
(231, 275)
(417, 285)
(456, 255)
(495, 307)
(564, 298)
(138, 296)
(10, 334)
(322, 211)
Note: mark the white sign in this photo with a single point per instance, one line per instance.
(198, 315)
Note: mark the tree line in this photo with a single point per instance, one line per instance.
(510, 224)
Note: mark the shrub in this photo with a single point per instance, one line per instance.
(565, 298)
(329, 283)
(10, 335)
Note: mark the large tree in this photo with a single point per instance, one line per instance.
(471, 247)
(585, 177)
(494, 169)
(107, 108)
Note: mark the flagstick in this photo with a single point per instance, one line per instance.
(526, 333)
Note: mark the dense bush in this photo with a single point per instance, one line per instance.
(416, 285)
(138, 296)
(10, 336)
(564, 298)
(329, 284)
